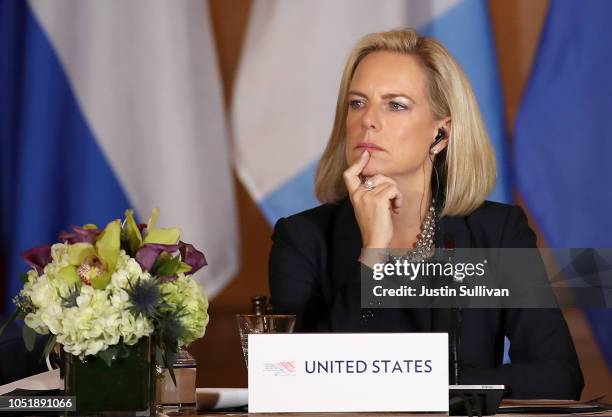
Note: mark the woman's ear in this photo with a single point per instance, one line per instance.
(447, 129)
(447, 126)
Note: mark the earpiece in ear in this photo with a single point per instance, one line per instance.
(439, 137)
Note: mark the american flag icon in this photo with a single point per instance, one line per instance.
(281, 368)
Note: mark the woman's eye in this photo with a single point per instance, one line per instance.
(395, 106)
(356, 104)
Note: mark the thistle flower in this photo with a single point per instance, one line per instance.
(170, 330)
(71, 299)
(144, 296)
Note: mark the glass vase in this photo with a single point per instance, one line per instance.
(126, 388)
(179, 397)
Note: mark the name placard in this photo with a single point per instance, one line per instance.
(348, 372)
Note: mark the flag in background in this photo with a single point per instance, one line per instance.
(287, 85)
(562, 148)
(107, 105)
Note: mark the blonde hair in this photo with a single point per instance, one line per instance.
(466, 166)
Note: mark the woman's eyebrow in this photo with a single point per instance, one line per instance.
(384, 97)
(356, 93)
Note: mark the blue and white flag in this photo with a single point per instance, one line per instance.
(107, 105)
(562, 146)
(287, 85)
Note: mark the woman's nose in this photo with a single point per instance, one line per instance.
(371, 118)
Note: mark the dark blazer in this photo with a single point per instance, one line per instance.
(315, 274)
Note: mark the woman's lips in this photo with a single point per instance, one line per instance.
(369, 146)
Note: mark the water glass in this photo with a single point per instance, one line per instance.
(262, 323)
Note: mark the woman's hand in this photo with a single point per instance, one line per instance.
(373, 208)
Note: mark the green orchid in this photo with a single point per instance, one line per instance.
(134, 237)
(93, 264)
(77, 252)
(70, 276)
(162, 236)
(109, 244)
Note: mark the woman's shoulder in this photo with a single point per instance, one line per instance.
(317, 220)
(504, 223)
(494, 211)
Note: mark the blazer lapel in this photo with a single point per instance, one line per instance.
(453, 232)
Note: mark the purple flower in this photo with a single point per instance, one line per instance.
(80, 234)
(148, 253)
(192, 257)
(38, 257)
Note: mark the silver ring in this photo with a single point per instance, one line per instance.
(369, 184)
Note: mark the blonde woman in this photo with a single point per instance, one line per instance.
(408, 162)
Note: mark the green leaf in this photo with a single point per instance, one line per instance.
(159, 358)
(169, 364)
(161, 259)
(48, 347)
(29, 338)
(108, 355)
(109, 244)
(133, 233)
(168, 267)
(23, 278)
(124, 352)
(20, 314)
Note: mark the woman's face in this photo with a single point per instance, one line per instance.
(389, 115)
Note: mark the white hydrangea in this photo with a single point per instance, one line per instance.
(101, 318)
(59, 251)
(185, 294)
(133, 328)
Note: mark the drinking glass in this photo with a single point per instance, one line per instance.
(262, 323)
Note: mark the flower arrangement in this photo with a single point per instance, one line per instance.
(98, 292)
